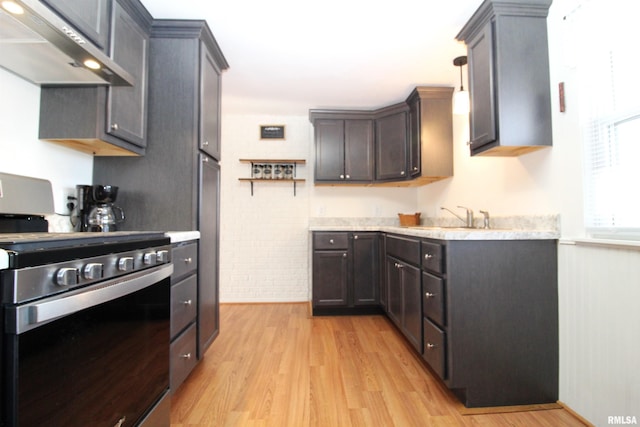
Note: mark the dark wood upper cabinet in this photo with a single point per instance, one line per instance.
(344, 146)
(90, 17)
(105, 120)
(391, 143)
(405, 144)
(210, 76)
(509, 81)
(127, 106)
(430, 134)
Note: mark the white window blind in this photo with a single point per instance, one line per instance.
(608, 69)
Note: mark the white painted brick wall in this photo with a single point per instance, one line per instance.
(264, 238)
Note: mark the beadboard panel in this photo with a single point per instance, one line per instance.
(599, 290)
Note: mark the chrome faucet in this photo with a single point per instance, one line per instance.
(486, 223)
(468, 222)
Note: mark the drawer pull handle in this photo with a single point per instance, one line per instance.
(187, 302)
(344, 255)
(331, 241)
(430, 346)
(186, 356)
(428, 256)
(429, 295)
(188, 260)
(355, 237)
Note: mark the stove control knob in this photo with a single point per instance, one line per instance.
(125, 263)
(67, 276)
(149, 258)
(162, 256)
(92, 271)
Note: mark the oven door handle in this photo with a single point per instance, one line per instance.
(30, 316)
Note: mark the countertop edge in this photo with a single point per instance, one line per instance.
(471, 234)
(182, 236)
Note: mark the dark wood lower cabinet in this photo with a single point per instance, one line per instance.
(330, 278)
(483, 314)
(502, 321)
(346, 278)
(404, 289)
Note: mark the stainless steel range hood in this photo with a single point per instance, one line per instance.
(41, 47)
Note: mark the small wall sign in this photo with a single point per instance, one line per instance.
(271, 131)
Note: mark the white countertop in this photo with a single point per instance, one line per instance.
(182, 236)
(504, 228)
(449, 233)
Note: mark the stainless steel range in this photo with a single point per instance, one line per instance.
(85, 327)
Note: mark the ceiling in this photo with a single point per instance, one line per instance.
(287, 56)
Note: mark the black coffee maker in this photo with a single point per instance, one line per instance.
(96, 210)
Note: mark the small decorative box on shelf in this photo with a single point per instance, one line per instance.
(273, 170)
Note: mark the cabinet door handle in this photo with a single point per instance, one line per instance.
(347, 176)
(341, 176)
(402, 173)
(429, 295)
(331, 241)
(430, 346)
(355, 237)
(428, 256)
(415, 168)
(205, 143)
(344, 255)
(188, 260)
(187, 302)
(114, 126)
(186, 356)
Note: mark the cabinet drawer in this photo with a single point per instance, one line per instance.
(330, 240)
(435, 351)
(433, 257)
(185, 260)
(404, 248)
(182, 357)
(433, 298)
(183, 303)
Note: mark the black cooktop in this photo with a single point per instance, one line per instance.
(31, 249)
(42, 241)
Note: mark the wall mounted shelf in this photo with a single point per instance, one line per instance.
(273, 171)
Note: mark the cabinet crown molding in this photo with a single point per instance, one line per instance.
(490, 9)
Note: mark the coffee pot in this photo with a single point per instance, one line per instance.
(105, 217)
(95, 208)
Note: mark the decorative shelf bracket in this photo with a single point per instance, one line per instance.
(273, 170)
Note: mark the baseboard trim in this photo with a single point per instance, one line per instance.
(575, 415)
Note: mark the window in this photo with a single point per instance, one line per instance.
(608, 70)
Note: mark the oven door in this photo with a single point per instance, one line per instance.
(98, 356)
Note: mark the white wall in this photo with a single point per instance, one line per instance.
(21, 152)
(263, 237)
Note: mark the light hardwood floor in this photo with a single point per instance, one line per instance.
(275, 365)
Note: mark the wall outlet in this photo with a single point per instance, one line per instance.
(70, 201)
